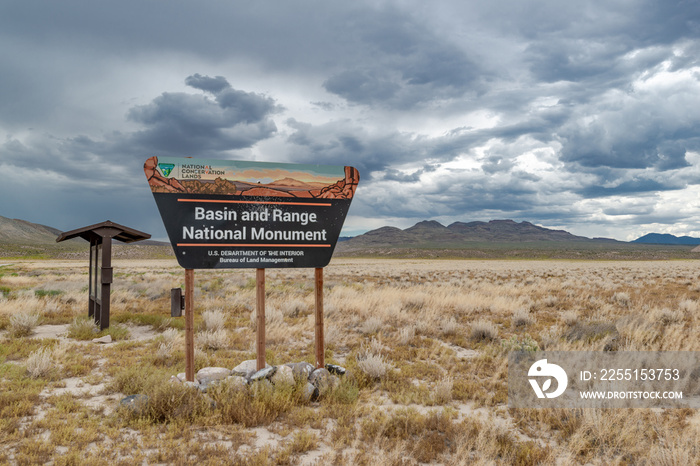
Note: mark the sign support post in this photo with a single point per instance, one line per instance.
(318, 288)
(260, 297)
(189, 325)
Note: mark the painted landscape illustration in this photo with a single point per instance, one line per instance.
(254, 181)
(515, 280)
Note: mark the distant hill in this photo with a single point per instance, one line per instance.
(665, 238)
(432, 233)
(20, 238)
(16, 231)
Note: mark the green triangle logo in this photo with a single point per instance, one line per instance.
(166, 168)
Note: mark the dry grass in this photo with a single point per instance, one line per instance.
(426, 343)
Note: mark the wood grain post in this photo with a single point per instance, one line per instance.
(260, 298)
(318, 288)
(189, 325)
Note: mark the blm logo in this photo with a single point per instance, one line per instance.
(166, 168)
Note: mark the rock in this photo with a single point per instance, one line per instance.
(321, 379)
(189, 384)
(175, 380)
(236, 381)
(334, 382)
(182, 376)
(335, 369)
(246, 368)
(301, 370)
(310, 393)
(207, 375)
(104, 339)
(283, 376)
(135, 403)
(266, 373)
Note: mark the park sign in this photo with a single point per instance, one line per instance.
(240, 214)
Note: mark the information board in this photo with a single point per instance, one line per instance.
(241, 214)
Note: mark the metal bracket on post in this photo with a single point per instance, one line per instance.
(177, 302)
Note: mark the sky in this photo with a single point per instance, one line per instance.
(581, 116)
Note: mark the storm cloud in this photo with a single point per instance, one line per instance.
(579, 115)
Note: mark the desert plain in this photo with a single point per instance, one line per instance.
(425, 344)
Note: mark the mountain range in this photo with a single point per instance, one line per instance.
(20, 237)
(433, 233)
(665, 238)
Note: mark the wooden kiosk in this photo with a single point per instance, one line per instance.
(100, 237)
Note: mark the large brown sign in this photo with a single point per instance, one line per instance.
(239, 214)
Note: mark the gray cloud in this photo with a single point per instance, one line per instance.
(179, 123)
(207, 83)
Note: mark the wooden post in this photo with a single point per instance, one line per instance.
(320, 354)
(189, 325)
(260, 296)
(92, 277)
(106, 274)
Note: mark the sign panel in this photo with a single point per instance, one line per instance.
(239, 214)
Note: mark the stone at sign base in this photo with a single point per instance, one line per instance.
(283, 376)
(104, 339)
(316, 382)
(335, 369)
(266, 373)
(236, 381)
(247, 368)
(301, 370)
(310, 392)
(210, 374)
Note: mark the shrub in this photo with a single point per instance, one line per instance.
(344, 393)
(622, 298)
(406, 334)
(371, 325)
(40, 363)
(135, 379)
(213, 339)
(522, 318)
(171, 335)
(303, 441)
(449, 327)
(168, 402)
(373, 365)
(527, 344)
(294, 308)
(44, 293)
(22, 324)
(82, 328)
(234, 404)
(214, 320)
(118, 332)
(483, 330)
(443, 390)
(569, 318)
